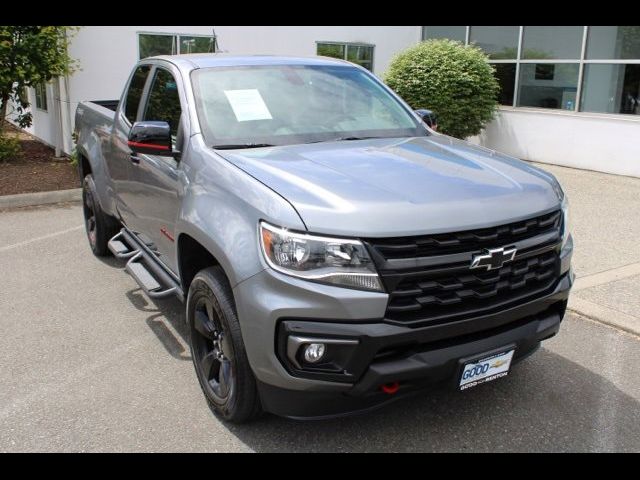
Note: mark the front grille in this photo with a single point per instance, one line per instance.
(470, 240)
(437, 289)
(423, 296)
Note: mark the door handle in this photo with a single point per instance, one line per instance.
(134, 159)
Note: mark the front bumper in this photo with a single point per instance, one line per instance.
(415, 365)
(272, 307)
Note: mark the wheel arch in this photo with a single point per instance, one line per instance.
(193, 256)
(84, 166)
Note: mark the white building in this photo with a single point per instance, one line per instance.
(570, 95)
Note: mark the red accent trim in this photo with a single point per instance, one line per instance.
(166, 233)
(390, 388)
(147, 145)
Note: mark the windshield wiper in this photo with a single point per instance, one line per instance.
(344, 139)
(232, 146)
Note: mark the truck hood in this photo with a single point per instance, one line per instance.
(395, 187)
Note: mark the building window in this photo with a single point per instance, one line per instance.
(452, 33)
(548, 85)
(358, 53)
(605, 43)
(41, 96)
(152, 44)
(611, 88)
(540, 43)
(334, 50)
(191, 44)
(506, 75)
(581, 69)
(500, 43)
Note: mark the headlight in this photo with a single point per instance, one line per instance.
(566, 221)
(336, 261)
(558, 189)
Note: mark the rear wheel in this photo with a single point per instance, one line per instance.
(217, 348)
(99, 226)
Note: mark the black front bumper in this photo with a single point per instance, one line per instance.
(411, 358)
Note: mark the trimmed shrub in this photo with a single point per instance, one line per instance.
(453, 80)
(9, 148)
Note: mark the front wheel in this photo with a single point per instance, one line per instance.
(217, 348)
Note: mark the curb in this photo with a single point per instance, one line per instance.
(605, 315)
(40, 198)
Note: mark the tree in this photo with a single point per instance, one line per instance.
(455, 81)
(30, 55)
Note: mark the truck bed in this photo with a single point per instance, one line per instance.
(109, 104)
(95, 117)
(96, 114)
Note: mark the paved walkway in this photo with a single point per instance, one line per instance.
(605, 217)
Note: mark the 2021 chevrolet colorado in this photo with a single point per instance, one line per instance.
(333, 252)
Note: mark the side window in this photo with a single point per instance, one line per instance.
(163, 104)
(135, 92)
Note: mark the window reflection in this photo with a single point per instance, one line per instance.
(541, 43)
(548, 85)
(610, 88)
(613, 43)
(497, 42)
(452, 33)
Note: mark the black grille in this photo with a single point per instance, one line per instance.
(470, 240)
(437, 289)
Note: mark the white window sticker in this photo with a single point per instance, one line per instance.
(248, 105)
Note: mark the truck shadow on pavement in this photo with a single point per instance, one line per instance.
(547, 403)
(166, 322)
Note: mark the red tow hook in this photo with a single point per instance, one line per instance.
(390, 388)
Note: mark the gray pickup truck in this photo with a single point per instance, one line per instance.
(334, 253)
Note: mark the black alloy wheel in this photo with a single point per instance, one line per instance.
(217, 348)
(213, 352)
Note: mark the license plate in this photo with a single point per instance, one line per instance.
(487, 369)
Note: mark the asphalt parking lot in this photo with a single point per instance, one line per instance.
(90, 364)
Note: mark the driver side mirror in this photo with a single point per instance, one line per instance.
(151, 138)
(429, 118)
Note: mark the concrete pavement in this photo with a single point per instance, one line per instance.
(90, 364)
(606, 228)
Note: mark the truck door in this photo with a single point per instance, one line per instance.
(119, 159)
(157, 178)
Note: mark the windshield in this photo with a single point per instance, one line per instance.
(290, 104)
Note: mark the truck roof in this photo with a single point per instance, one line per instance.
(206, 60)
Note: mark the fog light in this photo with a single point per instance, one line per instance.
(314, 352)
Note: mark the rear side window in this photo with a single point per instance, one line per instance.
(135, 92)
(164, 102)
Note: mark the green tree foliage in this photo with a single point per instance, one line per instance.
(453, 80)
(30, 55)
(9, 148)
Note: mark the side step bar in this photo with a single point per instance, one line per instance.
(118, 247)
(144, 267)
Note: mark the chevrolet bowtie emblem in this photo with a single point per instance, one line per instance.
(493, 258)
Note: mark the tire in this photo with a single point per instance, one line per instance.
(217, 349)
(99, 226)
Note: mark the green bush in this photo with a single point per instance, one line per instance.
(9, 148)
(73, 158)
(453, 80)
